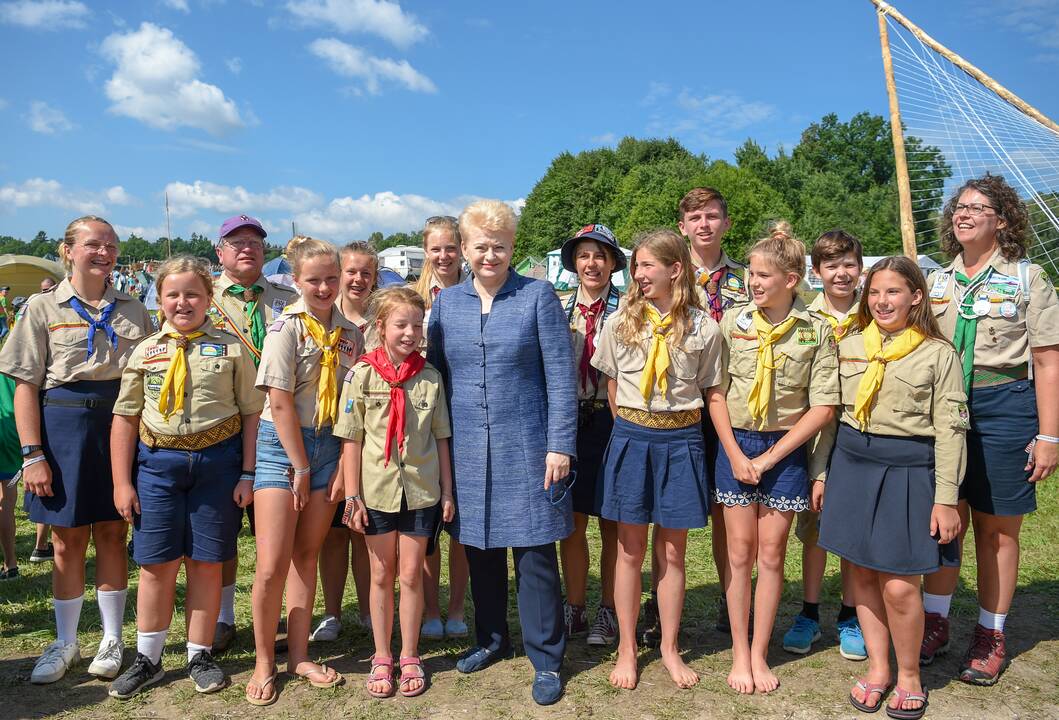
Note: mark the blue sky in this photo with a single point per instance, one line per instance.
(348, 116)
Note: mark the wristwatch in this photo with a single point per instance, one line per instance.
(28, 450)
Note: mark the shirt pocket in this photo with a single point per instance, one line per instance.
(997, 332)
(742, 360)
(849, 376)
(794, 371)
(914, 390)
(685, 359)
(630, 359)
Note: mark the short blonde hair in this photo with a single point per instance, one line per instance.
(781, 249)
(186, 263)
(70, 236)
(490, 215)
(302, 248)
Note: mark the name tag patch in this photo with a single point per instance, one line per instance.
(345, 347)
(213, 350)
(941, 283)
(155, 351)
(744, 321)
(807, 336)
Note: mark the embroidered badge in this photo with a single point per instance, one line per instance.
(831, 344)
(152, 384)
(277, 306)
(734, 282)
(963, 416)
(349, 405)
(345, 347)
(277, 326)
(349, 375)
(807, 336)
(155, 351)
(213, 350)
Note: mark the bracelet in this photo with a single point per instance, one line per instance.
(302, 472)
(350, 498)
(246, 476)
(33, 461)
(1042, 437)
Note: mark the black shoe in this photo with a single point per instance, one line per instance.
(9, 574)
(140, 674)
(723, 624)
(479, 658)
(206, 673)
(223, 637)
(650, 634)
(41, 555)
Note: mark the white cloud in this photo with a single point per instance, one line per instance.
(150, 234)
(351, 61)
(709, 119)
(235, 65)
(348, 218)
(376, 17)
(3, 104)
(155, 81)
(607, 138)
(185, 199)
(39, 192)
(45, 14)
(45, 119)
(1037, 19)
(181, 5)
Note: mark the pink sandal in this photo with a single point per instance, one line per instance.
(385, 665)
(412, 669)
(870, 688)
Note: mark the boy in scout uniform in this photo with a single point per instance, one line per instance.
(1002, 314)
(244, 304)
(187, 394)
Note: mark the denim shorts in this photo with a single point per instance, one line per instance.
(321, 447)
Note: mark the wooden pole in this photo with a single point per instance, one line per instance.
(168, 230)
(1008, 96)
(904, 188)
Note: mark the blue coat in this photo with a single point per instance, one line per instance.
(512, 399)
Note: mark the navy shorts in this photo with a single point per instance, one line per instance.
(1003, 422)
(186, 504)
(420, 523)
(593, 434)
(784, 487)
(321, 447)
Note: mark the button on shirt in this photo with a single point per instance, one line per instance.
(806, 372)
(234, 319)
(820, 444)
(291, 360)
(578, 326)
(220, 381)
(48, 345)
(413, 473)
(694, 364)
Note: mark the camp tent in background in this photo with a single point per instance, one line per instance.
(565, 280)
(278, 270)
(23, 274)
(926, 264)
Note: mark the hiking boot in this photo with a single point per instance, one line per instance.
(604, 630)
(935, 638)
(803, 633)
(206, 673)
(986, 658)
(140, 674)
(575, 618)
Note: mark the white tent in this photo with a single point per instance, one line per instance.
(926, 263)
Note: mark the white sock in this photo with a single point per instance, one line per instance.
(194, 649)
(67, 617)
(112, 611)
(151, 644)
(227, 614)
(991, 621)
(937, 604)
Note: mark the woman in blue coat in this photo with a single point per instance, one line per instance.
(502, 344)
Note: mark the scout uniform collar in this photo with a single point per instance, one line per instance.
(206, 328)
(611, 299)
(436, 287)
(723, 261)
(65, 290)
(819, 305)
(798, 310)
(337, 318)
(225, 281)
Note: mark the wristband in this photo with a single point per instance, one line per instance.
(33, 461)
(352, 497)
(246, 476)
(302, 472)
(1042, 437)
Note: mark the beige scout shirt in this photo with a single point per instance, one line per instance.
(578, 327)
(1014, 323)
(921, 396)
(806, 374)
(48, 346)
(291, 360)
(414, 472)
(694, 366)
(732, 284)
(228, 311)
(219, 384)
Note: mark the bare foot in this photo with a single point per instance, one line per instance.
(765, 681)
(682, 675)
(741, 678)
(624, 673)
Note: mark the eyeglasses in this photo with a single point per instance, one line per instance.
(109, 248)
(556, 497)
(245, 244)
(972, 209)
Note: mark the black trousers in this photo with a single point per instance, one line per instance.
(540, 602)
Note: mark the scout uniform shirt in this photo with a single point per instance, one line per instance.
(1011, 318)
(820, 445)
(921, 396)
(805, 373)
(220, 381)
(48, 346)
(693, 367)
(722, 285)
(413, 472)
(578, 325)
(228, 310)
(291, 360)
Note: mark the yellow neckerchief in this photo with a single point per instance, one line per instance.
(761, 391)
(327, 387)
(657, 354)
(176, 375)
(878, 356)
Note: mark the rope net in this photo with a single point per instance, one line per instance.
(955, 129)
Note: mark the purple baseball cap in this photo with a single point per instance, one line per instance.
(237, 221)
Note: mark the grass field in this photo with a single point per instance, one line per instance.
(813, 686)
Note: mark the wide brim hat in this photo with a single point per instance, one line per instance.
(598, 233)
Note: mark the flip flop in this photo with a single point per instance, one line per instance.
(386, 676)
(901, 695)
(323, 670)
(870, 689)
(270, 682)
(412, 669)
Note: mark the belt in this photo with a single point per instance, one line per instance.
(676, 420)
(587, 408)
(194, 441)
(90, 403)
(982, 377)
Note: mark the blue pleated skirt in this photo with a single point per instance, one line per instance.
(654, 476)
(877, 504)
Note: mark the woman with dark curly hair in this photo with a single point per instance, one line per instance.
(1002, 314)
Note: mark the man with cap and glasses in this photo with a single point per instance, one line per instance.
(244, 304)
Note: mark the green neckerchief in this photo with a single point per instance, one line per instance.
(967, 322)
(251, 297)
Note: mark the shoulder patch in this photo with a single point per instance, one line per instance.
(277, 325)
(808, 336)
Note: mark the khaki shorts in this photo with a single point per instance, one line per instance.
(807, 528)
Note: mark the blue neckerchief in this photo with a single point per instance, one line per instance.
(103, 323)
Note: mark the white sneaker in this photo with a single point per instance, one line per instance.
(327, 630)
(107, 664)
(54, 662)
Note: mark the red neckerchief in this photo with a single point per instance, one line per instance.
(397, 377)
(589, 313)
(434, 292)
(713, 297)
